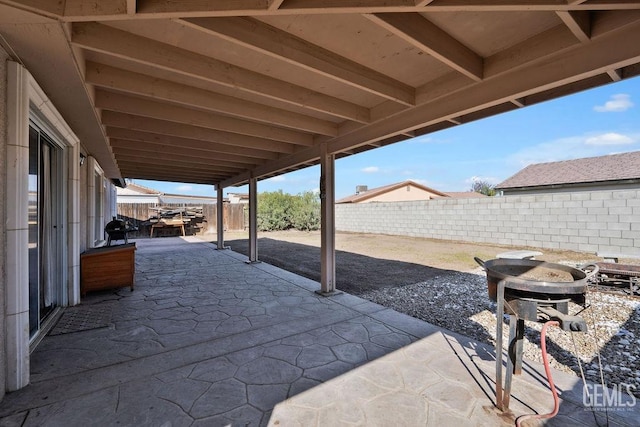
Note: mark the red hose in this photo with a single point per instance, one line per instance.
(547, 370)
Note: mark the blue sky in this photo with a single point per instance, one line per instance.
(601, 121)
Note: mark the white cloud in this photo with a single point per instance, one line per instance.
(371, 169)
(487, 179)
(185, 188)
(277, 178)
(574, 147)
(423, 139)
(617, 103)
(611, 138)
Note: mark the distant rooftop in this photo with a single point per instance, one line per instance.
(381, 190)
(614, 167)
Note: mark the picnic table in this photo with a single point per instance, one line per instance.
(168, 222)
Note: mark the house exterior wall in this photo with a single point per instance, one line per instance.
(21, 99)
(405, 193)
(571, 188)
(3, 232)
(588, 221)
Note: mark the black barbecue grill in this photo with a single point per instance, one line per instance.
(117, 229)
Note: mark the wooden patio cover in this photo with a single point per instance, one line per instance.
(217, 91)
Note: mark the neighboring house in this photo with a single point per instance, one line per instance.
(615, 171)
(134, 193)
(242, 198)
(400, 192)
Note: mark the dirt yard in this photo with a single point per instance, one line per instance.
(372, 261)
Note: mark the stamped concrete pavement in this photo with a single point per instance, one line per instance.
(208, 340)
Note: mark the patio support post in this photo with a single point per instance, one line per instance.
(220, 218)
(253, 220)
(327, 223)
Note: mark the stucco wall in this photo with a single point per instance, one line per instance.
(598, 221)
(401, 194)
(84, 198)
(3, 237)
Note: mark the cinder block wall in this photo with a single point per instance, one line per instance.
(597, 221)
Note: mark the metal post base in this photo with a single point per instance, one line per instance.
(328, 294)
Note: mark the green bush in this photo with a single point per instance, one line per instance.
(305, 212)
(280, 211)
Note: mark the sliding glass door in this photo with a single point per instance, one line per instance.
(45, 227)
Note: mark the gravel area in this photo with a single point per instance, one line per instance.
(459, 302)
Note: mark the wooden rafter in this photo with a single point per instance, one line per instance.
(420, 32)
(223, 151)
(120, 44)
(199, 134)
(263, 38)
(252, 88)
(578, 22)
(179, 94)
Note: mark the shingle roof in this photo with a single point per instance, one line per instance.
(381, 190)
(614, 167)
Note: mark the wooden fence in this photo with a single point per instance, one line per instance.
(138, 214)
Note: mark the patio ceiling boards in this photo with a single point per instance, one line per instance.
(218, 91)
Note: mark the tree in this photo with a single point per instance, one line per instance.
(281, 211)
(483, 187)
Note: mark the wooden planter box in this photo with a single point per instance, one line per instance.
(108, 267)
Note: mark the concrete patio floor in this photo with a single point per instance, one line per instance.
(208, 340)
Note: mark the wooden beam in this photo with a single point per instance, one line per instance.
(520, 102)
(615, 75)
(307, 155)
(165, 8)
(132, 173)
(579, 23)
(114, 78)
(223, 151)
(47, 8)
(106, 10)
(182, 169)
(96, 8)
(583, 61)
(391, 6)
(134, 170)
(149, 150)
(124, 45)
(199, 8)
(196, 166)
(426, 36)
(156, 110)
(274, 4)
(131, 7)
(127, 121)
(545, 44)
(271, 41)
